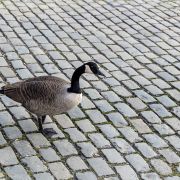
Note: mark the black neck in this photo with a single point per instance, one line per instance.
(75, 87)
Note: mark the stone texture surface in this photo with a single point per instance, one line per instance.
(127, 126)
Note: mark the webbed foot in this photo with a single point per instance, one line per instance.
(49, 132)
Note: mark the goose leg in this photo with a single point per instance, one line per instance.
(47, 131)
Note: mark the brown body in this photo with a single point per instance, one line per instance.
(44, 95)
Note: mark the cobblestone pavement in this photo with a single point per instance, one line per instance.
(127, 126)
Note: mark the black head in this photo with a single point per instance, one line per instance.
(92, 67)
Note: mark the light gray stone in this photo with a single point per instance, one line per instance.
(59, 170)
(75, 135)
(113, 156)
(44, 176)
(9, 157)
(88, 149)
(88, 175)
(17, 172)
(138, 162)
(170, 156)
(155, 141)
(122, 145)
(34, 163)
(100, 166)
(76, 163)
(117, 119)
(126, 172)
(125, 110)
(65, 147)
(99, 140)
(49, 154)
(96, 116)
(130, 134)
(146, 150)
(24, 148)
(38, 140)
(161, 167)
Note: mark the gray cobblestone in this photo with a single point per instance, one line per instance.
(49, 154)
(147, 176)
(174, 141)
(100, 166)
(76, 163)
(9, 157)
(161, 167)
(6, 118)
(86, 126)
(93, 114)
(125, 110)
(117, 119)
(12, 132)
(45, 176)
(132, 111)
(86, 175)
(126, 172)
(59, 170)
(138, 162)
(113, 156)
(88, 149)
(99, 140)
(146, 150)
(17, 172)
(65, 147)
(140, 126)
(122, 145)
(170, 156)
(38, 140)
(34, 163)
(155, 140)
(24, 148)
(151, 117)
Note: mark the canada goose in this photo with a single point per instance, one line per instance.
(49, 95)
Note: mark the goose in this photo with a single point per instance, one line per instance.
(49, 95)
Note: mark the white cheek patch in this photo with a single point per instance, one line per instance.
(88, 70)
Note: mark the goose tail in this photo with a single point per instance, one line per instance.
(2, 90)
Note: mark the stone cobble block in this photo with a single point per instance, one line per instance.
(113, 156)
(59, 170)
(99, 140)
(24, 148)
(126, 172)
(17, 172)
(138, 162)
(96, 116)
(38, 140)
(155, 140)
(130, 134)
(141, 126)
(100, 166)
(170, 156)
(49, 154)
(85, 126)
(125, 110)
(88, 175)
(146, 150)
(34, 163)
(122, 145)
(12, 132)
(44, 176)
(65, 147)
(76, 163)
(174, 141)
(161, 167)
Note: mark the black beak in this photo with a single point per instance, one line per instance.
(100, 73)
